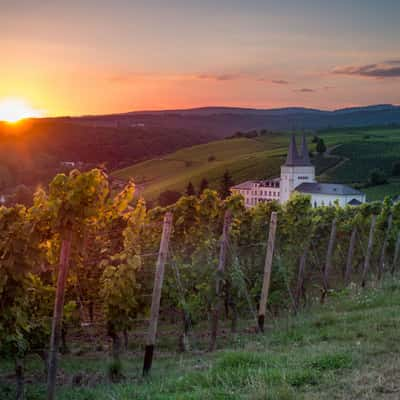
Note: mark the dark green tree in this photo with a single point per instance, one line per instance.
(225, 186)
(203, 185)
(168, 197)
(396, 168)
(321, 148)
(23, 195)
(376, 177)
(315, 139)
(190, 189)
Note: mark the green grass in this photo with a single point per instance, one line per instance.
(364, 156)
(347, 349)
(392, 188)
(257, 158)
(357, 151)
(363, 149)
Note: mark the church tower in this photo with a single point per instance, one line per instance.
(296, 170)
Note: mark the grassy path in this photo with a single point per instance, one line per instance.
(347, 349)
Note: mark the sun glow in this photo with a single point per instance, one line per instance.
(14, 110)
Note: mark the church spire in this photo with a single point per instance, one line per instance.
(305, 156)
(292, 158)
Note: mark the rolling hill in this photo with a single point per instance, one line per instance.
(223, 121)
(32, 151)
(243, 157)
(354, 152)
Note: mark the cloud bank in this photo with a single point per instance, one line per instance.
(219, 77)
(386, 69)
(280, 82)
(304, 90)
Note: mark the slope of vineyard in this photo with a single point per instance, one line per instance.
(319, 256)
(392, 188)
(258, 158)
(372, 149)
(355, 151)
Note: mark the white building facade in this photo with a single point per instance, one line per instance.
(255, 192)
(296, 170)
(297, 175)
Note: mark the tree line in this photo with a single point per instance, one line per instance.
(172, 196)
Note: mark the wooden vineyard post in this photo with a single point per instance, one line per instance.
(267, 271)
(219, 280)
(328, 261)
(396, 254)
(367, 260)
(350, 254)
(19, 373)
(384, 247)
(58, 315)
(300, 279)
(156, 297)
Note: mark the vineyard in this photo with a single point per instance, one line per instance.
(353, 152)
(83, 267)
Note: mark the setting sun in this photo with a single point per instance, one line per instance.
(14, 110)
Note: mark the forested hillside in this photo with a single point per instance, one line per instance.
(223, 121)
(31, 151)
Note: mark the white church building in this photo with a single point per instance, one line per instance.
(297, 175)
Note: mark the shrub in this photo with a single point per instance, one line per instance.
(225, 185)
(190, 189)
(168, 197)
(321, 148)
(114, 370)
(376, 177)
(396, 168)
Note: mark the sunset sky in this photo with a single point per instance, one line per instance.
(97, 56)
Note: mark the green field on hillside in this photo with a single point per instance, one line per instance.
(244, 158)
(391, 189)
(346, 349)
(354, 152)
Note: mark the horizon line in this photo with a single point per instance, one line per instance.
(165, 110)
